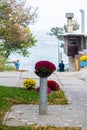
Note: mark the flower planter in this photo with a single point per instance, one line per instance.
(43, 69)
(83, 63)
(43, 74)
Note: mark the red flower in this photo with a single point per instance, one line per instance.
(45, 66)
(53, 85)
(48, 89)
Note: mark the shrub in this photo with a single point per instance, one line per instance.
(53, 85)
(29, 83)
(4, 66)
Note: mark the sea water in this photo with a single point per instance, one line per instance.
(46, 48)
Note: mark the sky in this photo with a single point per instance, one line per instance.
(52, 13)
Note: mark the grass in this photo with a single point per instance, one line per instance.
(36, 127)
(10, 96)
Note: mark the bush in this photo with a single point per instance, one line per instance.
(29, 83)
(53, 85)
(4, 66)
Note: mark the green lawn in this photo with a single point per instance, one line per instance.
(10, 96)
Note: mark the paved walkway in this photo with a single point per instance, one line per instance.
(74, 85)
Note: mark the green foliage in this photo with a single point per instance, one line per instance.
(4, 66)
(14, 30)
(75, 24)
(9, 67)
(59, 31)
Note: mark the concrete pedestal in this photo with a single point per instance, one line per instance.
(43, 96)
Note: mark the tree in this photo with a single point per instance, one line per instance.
(59, 31)
(14, 31)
